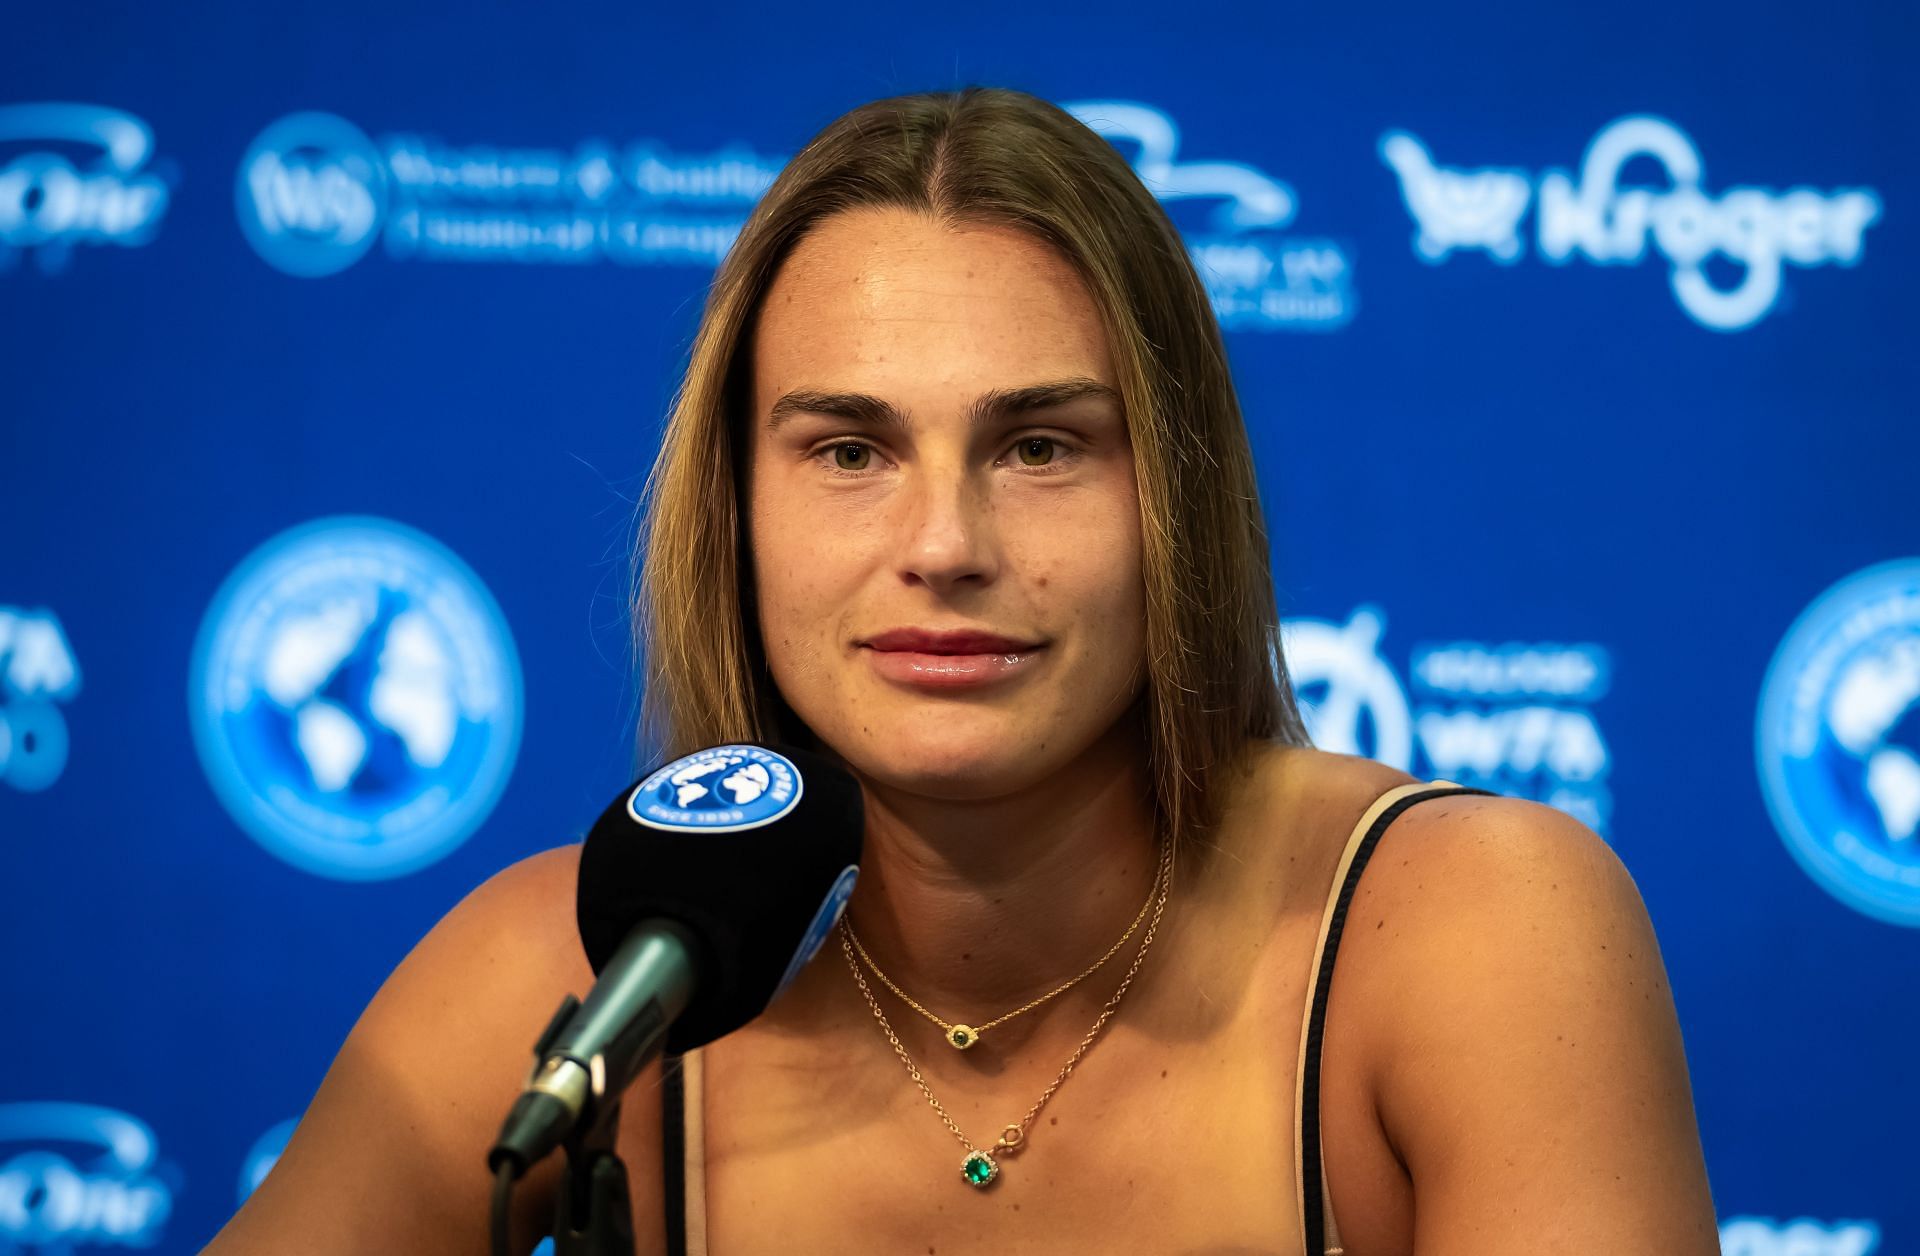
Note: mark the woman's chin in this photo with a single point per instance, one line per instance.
(951, 768)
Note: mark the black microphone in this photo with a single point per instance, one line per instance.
(703, 892)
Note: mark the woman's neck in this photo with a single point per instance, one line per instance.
(974, 908)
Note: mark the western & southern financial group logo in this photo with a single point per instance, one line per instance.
(1596, 215)
(314, 193)
(1838, 741)
(356, 698)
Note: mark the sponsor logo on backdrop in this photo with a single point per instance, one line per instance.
(1597, 215)
(74, 1175)
(73, 175)
(356, 698)
(1235, 220)
(263, 1155)
(37, 673)
(1515, 718)
(1763, 1236)
(1838, 740)
(314, 193)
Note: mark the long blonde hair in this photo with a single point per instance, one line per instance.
(1216, 679)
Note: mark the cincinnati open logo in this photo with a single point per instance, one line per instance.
(356, 698)
(1838, 741)
(1259, 274)
(723, 789)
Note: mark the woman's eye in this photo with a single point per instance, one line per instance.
(1036, 451)
(852, 457)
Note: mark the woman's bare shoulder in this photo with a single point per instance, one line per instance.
(1506, 997)
(391, 1154)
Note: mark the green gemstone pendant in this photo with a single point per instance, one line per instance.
(963, 1036)
(978, 1168)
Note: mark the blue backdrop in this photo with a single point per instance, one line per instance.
(1574, 343)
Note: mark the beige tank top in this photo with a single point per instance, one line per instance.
(683, 1093)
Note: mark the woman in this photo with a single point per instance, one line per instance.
(958, 491)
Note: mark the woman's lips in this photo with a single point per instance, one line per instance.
(949, 671)
(948, 660)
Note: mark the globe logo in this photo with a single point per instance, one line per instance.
(1838, 741)
(311, 194)
(723, 789)
(263, 1155)
(356, 698)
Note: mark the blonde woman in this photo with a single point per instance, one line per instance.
(957, 490)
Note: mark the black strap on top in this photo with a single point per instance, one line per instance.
(673, 1152)
(1310, 1172)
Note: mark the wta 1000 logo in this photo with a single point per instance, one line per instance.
(1838, 741)
(1598, 217)
(314, 193)
(1516, 718)
(356, 698)
(72, 1173)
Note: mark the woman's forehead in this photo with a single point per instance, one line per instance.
(877, 295)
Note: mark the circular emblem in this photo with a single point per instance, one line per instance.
(311, 194)
(722, 789)
(1838, 741)
(263, 1155)
(356, 698)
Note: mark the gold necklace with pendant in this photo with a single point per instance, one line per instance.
(961, 1037)
(979, 1168)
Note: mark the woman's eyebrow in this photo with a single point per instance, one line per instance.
(988, 407)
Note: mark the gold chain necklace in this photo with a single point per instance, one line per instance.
(979, 1168)
(961, 1037)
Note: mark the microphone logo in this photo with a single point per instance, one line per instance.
(722, 789)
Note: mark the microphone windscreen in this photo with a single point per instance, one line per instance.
(753, 849)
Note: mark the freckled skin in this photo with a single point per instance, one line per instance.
(943, 525)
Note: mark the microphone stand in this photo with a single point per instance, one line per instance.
(593, 1209)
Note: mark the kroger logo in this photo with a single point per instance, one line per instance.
(719, 790)
(37, 671)
(1838, 741)
(1514, 718)
(99, 193)
(1255, 277)
(1595, 216)
(75, 1174)
(314, 192)
(356, 698)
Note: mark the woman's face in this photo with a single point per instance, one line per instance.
(942, 510)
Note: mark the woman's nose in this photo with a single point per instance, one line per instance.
(949, 532)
